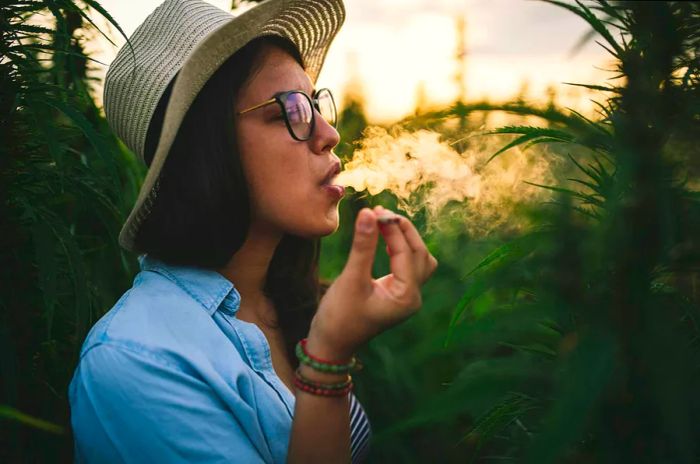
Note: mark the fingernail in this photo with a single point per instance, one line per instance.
(366, 223)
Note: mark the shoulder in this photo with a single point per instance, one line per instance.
(143, 311)
(154, 340)
(157, 318)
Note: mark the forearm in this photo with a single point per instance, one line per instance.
(321, 426)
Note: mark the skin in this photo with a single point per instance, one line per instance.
(271, 158)
(284, 177)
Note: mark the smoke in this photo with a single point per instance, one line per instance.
(424, 172)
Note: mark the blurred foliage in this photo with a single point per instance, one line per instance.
(65, 185)
(576, 341)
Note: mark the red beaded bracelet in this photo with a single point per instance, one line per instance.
(328, 386)
(321, 391)
(324, 361)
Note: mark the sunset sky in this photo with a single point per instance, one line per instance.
(393, 47)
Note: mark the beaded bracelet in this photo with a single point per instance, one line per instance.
(322, 365)
(321, 391)
(329, 386)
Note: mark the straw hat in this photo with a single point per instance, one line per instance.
(192, 39)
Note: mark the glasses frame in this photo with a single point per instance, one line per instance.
(281, 99)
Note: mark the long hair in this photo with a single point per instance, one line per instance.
(201, 214)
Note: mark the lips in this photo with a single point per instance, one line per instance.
(337, 191)
(332, 172)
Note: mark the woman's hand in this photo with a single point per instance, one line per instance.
(357, 307)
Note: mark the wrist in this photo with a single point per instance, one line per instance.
(319, 348)
(316, 348)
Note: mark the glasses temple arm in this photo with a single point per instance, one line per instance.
(267, 102)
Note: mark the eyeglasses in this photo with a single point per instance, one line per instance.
(297, 108)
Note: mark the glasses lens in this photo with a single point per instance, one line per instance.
(326, 106)
(299, 114)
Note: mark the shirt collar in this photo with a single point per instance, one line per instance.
(208, 287)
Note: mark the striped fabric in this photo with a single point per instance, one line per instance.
(360, 431)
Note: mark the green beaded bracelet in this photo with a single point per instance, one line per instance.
(322, 366)
(328, 386)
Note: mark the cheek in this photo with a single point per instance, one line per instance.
(261, 152)
(277, 172)
(289, 199)
(283, 187)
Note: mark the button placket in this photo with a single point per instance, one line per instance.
(261, 360)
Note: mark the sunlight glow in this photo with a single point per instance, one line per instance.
(396, 47)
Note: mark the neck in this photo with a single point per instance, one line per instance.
(247, 270)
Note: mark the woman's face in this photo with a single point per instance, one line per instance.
(285, 175)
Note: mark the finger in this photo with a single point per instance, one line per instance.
(364, 244)
(392, 233)
(433, 263)
(425, 261)
(413, 238)
(401, 254)
(415, 241)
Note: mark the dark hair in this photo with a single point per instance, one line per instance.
(201, 214)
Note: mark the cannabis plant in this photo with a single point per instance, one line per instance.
(603, 365)
(65, 186)
(578, 340)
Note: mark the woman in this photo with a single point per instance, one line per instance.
(227, 348)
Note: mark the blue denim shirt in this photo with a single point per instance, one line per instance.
(169, 374)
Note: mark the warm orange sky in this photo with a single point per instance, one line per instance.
(394, 46)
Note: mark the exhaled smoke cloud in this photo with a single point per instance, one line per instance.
(424, 172)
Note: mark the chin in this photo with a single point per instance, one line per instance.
(314, 224)
(327, 227)
(330, 229)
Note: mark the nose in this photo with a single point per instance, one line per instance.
(325, 136)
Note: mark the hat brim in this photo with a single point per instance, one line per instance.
(310, 24)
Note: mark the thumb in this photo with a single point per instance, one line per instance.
(364, 245)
